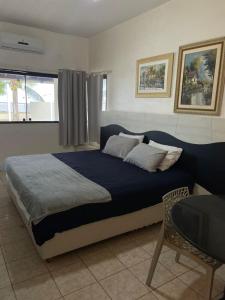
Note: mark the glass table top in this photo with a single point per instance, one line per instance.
(201, 221)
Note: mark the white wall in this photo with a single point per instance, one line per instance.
(61, 51)
(189, 128)
(159, 31)
(19, 139)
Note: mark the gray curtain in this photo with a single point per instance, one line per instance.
(94, 88)
(72, 107)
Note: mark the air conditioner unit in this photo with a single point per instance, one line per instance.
(13, 41)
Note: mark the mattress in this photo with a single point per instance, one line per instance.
(131, 189)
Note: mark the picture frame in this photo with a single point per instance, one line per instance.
(200, 77)
(154, 76)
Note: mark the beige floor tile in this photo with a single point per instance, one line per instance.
(9, 217)
(4, 278)
(13, 234)
(176, 290)
(92, 292)
(21, 249)
(168, 260)
(127, 251)
(1, 257)
(95, 248)
(149, 244)
(161, 275)
(132, 256)
(197, 280)
(149, 296)
(3, 189)
(123, 286)
(165, 249)
(1, 180)
(3, 192)
(7, 293)
(26, 268)
(101, 262)
(8, 210)
(61, 261)
(4, 199)
(72, 278)
(38, 288)
(221, 272)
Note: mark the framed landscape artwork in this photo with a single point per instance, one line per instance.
(154, 76)
(200, 77)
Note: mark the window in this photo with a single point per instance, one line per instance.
(28, 96)
(104, 93)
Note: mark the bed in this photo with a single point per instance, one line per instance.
(136, 194)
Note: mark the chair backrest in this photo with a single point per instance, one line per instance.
(169, 200)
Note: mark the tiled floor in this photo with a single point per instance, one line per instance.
(113, 269)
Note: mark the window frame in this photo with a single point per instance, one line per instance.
(27, 73)
(105, 76)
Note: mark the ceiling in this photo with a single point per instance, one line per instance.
(79, 17)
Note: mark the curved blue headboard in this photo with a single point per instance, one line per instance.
(205, 161)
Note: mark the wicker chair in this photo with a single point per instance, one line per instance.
(170, 237)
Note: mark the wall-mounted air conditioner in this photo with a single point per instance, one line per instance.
(13, 41)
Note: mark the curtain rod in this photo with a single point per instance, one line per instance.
(99, 72)
(102, 72)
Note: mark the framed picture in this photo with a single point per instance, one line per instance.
(154, 76)
(200, 77)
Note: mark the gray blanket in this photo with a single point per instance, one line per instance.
(47, 186)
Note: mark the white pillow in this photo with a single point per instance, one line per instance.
(119, 146)
(145, 157)
(172, 156)
(130, 136)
